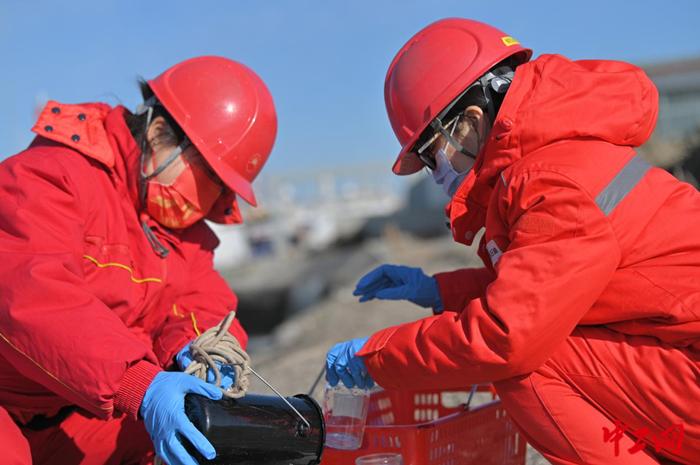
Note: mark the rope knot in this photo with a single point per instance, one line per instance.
(218, 345)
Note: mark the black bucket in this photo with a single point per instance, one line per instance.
(259, 430)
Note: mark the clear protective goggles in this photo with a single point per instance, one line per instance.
(423, 152)
(496, 81)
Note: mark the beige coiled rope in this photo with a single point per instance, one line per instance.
(218, 345)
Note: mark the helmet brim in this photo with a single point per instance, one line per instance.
(234, 181)
(407, 162)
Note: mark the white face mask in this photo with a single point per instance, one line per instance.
(446, 176)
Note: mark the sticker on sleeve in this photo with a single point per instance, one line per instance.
(494, 251)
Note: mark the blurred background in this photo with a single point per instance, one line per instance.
(330, 208)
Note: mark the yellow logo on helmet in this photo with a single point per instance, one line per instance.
(508, 41)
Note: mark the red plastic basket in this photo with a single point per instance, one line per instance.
(425, 431)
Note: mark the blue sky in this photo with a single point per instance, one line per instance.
(323, 60)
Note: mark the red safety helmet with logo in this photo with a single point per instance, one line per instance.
(227, 113)
(432, 69)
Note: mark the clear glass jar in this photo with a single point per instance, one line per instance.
(345, 413)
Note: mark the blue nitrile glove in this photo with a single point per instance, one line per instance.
(163, 412)
(398, 282)
(228, 374)
(343, 364)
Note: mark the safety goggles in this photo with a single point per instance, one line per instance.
(424, 151)
(451, 114)
(496, 81)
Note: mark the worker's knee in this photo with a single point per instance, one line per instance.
(559, 376)
(572, 358)
(515, 392)
(13, 444)
(120, 440)
(86, 440)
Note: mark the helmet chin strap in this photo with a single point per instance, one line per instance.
(147, 107)
(182, 146)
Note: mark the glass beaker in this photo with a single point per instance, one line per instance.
(345, 412)
(380, 459)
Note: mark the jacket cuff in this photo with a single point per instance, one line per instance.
(377, 341)
(133, 387)
(371, 356)
(457, 288)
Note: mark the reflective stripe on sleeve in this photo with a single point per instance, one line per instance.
(622, 184)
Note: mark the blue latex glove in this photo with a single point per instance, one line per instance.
(398, 282)
(228, 374)
(163, 412)
(343, 365)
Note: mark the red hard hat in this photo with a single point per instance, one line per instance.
(432, 69)
(226, 112)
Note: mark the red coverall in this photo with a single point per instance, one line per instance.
(89, 313)
(588, 309)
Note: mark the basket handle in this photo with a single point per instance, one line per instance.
(471, 396)
(318, 378)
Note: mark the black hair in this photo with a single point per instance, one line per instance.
(137, 122)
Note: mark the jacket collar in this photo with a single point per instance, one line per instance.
(98, 132)
(79, 127)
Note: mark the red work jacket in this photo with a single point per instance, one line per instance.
(578, 231)
(89, 314)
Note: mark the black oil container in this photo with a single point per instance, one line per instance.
(258, 429)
